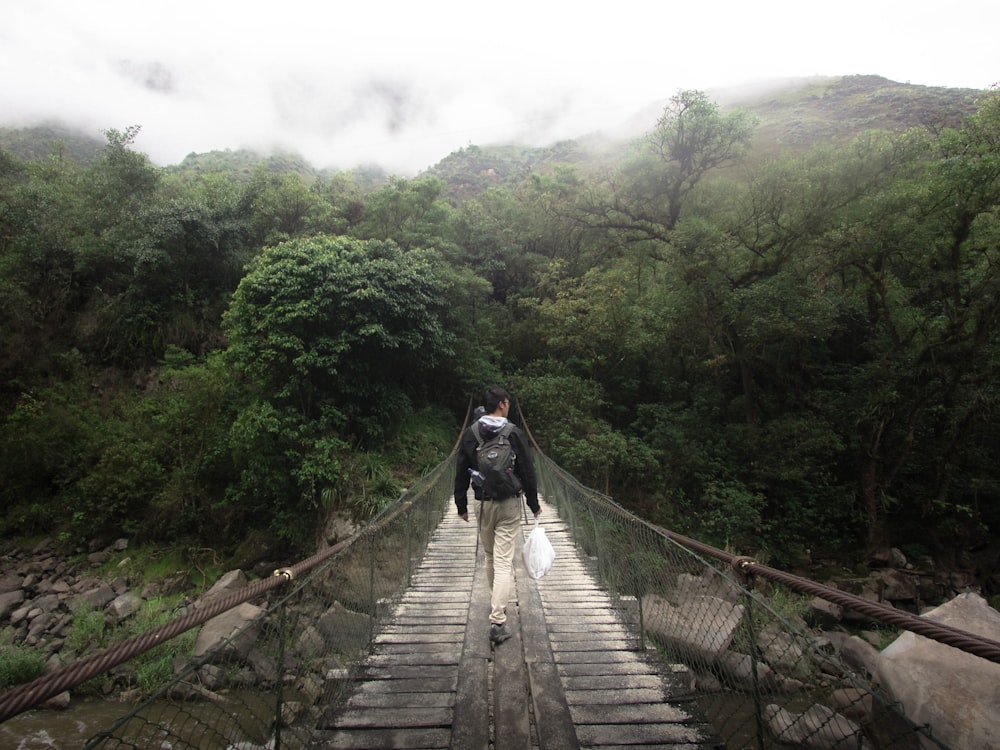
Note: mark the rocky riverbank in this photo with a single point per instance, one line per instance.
(45, 595)
(64, 607)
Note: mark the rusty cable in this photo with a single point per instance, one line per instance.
(972, 643)
(23, 697)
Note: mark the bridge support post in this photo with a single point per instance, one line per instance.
(278, 692)
(754, 675)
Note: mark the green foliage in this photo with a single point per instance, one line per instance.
(340, 327)
(19, 665)
(336, 336)
(88, 630)
(773, 348)
(155, 667)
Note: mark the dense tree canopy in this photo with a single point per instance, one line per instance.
(776, 350)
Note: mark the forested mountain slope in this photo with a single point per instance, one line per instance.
(769, 323)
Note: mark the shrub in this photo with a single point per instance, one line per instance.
(19, 665)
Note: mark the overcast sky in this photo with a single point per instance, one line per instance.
(404, 83)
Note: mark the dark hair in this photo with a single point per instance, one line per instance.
(494, 396)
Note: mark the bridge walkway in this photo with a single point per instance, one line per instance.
(573, 674)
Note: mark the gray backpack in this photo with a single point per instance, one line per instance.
(496, 458)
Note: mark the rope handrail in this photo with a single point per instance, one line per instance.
(327, 622)
(23, 697)
(947, 634)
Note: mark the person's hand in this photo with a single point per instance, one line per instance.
(464, 517)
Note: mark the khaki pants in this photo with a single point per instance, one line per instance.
(499, 522)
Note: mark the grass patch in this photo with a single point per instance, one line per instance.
(19, 665)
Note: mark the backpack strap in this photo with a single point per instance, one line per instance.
(504, 432)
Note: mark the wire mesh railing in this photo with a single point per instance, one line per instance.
(288, 648)
(761, 679)
(291, 653)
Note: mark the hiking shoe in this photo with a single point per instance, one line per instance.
(499, 633)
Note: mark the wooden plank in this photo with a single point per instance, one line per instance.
(471, 724)
(396, 717)
(471, 717)
(615, 697)
(442, 657)
(641, 734)
(613, 682)
(364, 739)
(510, 690)
(408, 671)
(391, 700)
(553, 723)
(444, 685)
(629, 714)
(553, 720)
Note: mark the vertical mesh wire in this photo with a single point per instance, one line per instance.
(761, 680)
(268, 685)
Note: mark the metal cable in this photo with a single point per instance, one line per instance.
(951, 636)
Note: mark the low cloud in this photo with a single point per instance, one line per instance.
(404, 85)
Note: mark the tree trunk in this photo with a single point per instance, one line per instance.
(877, 544)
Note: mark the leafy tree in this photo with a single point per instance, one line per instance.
(411, 213)
(691, 140)
(335, 338)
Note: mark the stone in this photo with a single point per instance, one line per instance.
(41, 624)
(825, 613)
(689, 586)
(227, 583)
(263, 665)
(97, 559)
(58, 702)
(859, 655)
(96, 598)
(47, 603)
(211, 676)
(738, 670)
(854, 703)
(123, 606)
(19, 615)
(954, 692)
(782, 652)
(705, 624)
(345, 625)
(238, 625)
(818, 728)
(895, 585)
(9, 602)
(310, 643)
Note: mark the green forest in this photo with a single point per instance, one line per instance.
(776, 334)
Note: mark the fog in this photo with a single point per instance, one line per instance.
(403, 84)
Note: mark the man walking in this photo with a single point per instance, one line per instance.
(498, 510)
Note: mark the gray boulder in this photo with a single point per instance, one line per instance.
(233, 580)
(95, 598)
(9, 602)
(704, 625)
(238, 624)
(818, 728)
(782, 652)
(953, 692)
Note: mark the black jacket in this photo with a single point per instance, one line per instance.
(523, 467)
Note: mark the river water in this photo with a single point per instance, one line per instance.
(66, 729)
(245, 721)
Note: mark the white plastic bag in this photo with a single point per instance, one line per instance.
(538, 552)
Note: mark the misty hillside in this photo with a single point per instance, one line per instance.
(793, 115)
